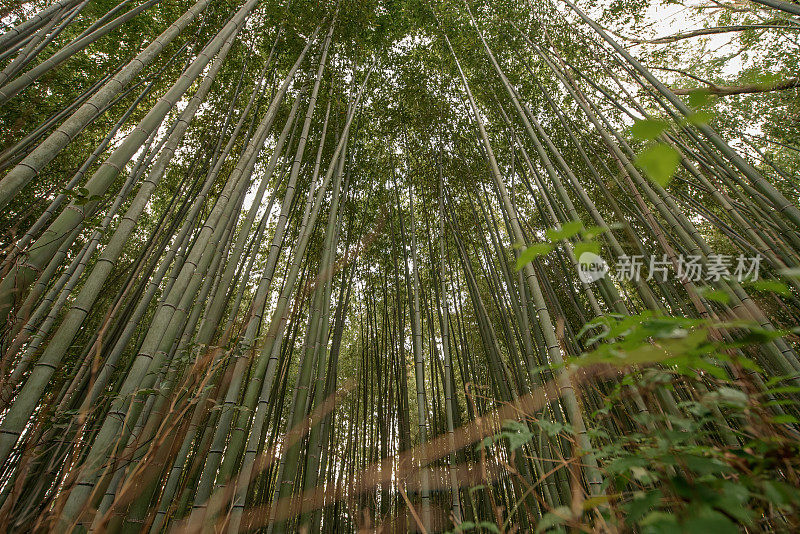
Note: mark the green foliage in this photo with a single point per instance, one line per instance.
(469, 526)
(515, 432)
(552, 521)
(659, 162)
(648, 129)
(533, 252)
(699, 98)
(678, 479)
(770, 286)
(699, 118)
(673, 472)
(567, 231)
(582, 247)
(686, 345)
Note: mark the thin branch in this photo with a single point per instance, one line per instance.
(705, 31)
(727, 90)
(752, 88)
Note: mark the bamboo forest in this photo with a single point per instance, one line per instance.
(461, 266)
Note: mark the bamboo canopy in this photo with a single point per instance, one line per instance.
(283, 266)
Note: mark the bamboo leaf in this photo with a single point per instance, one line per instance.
(582, 247)
(699, 118)
(699, 98)
(567, 230)
(648, 129)
(531, 253)
(771, 286)
(659, 162)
